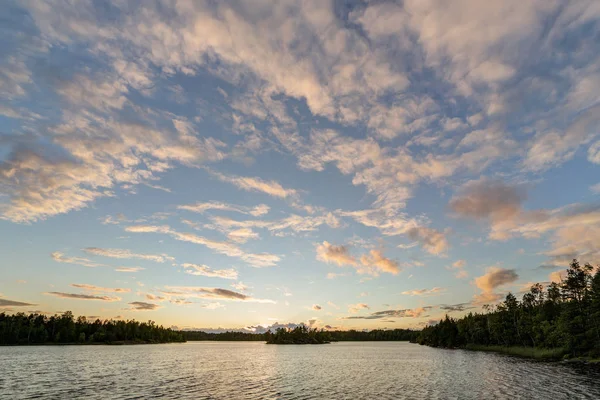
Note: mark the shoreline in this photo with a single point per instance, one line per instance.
(531, 353)
(115, 343)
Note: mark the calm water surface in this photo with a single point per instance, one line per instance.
(236, 370)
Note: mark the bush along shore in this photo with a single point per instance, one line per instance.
(561, 321)
(23, 329)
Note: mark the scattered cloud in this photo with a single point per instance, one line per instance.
(455, 307)
(459, 269)
(229, 249)
(316, 307)
(256, 211)
(432, 240)
(12, 303)
(79, 296)
(354, 308)
(212, 293)
(490, 200)
(143, 306)
(240, 286)
(129, 269)
(204, 270)
(94, 288)
(372, 263)
(60, 257)
(404, 313)
(494, 278)
(424, 292)
(254, 184)
(124, 253)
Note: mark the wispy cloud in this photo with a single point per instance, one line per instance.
(143, 306)
(212, 293)
(61, 257)
(403, 313)
(129, 269)
(204, 270)
(79, 296)
(229, 249)
(373, 262)
(124, 253)
(255, 184)
(13, 303)
(354, 308)
(256, 211)
(424, 292)
(94, 288)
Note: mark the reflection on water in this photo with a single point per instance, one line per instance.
(236, 370)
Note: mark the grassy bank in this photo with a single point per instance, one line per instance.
(519, 351)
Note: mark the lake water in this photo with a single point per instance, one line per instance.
(238, 370)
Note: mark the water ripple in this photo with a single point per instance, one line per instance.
(234, 370)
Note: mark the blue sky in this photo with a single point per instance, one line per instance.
(342, 164)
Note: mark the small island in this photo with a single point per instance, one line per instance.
(299, 335)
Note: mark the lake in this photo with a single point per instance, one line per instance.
(253, 370)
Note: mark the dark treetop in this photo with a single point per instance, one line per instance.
(564, 316)
(19, 329)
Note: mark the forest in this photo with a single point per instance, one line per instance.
(23, 329)
(561, 320)
(334, 336)
(299, 335)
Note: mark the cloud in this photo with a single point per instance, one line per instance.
(79, 296)
(229, 249)
(143, 306)
(404, 313)
(100, 289)
(455, 307)
(432, 240)
(253, 184)
(423, 292)
(332, 304)
(242, 235)
(194, 269)
(458, 266)
(494, 278)
(154, 297)
(557, 276)
(293, 222)
(256, 211)
(316, 307)
(494, 201)
(240, 286)
(333, 254)
(354, 308)
(124, 253)
(333, 275)
(371, 263)
(376, 262)
(343, 74)
(212, 293)
(60, 257)
(129, 269)
(13, 303)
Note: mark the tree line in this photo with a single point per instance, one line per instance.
(23, 329)
(334, 336)
(563, 316)
(298, 335)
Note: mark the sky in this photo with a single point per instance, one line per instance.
(347, 165)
